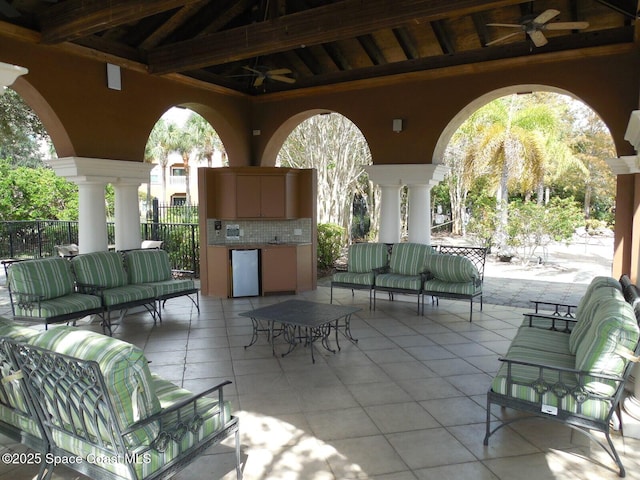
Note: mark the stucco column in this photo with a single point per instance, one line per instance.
(127, 212)
(92, 175)
(92, 216)
(420, 178)
(390, 225)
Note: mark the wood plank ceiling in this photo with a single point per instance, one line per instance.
(262, 46)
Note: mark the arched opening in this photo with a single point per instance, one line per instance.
(333, 145)
(528, 174)
(179, 143)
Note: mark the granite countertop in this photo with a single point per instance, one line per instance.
(240, 246)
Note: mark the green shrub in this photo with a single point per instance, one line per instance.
(329, 244)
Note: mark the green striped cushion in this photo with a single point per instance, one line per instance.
(125, 371)
(613, 327)
(409, 258)
(129, 293)
(354, 278)
(146, 266)
(586, 311)
(524, 376)
(150, 459)
(72, 303)
(102, 269)
(452, 268)
(401, 282)
(169, 287)
(19, 333)
(543, 340)
(364, 257)
(13, 408)
(443, 286)
(48, 277)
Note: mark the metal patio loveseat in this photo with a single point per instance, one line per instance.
(572, 370)
(90, 402)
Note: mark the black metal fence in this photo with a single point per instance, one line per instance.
(35, 239)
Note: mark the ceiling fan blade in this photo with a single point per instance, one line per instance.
(508, 25)
(279, 71)
(282, 78)
(538, 38)
(8, 10)
(565, 26)
(546, 16)
(498, 40)
(258, 81)
(258, 72)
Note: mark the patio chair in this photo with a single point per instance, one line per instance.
(364, 262)
(406, 272)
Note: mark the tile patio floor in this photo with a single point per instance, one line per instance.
(407, 402)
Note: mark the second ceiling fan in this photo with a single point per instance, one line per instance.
(534, 26)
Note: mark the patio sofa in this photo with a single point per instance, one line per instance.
(364, 262)
(151, 267)
(574, 374)
(74, 394)
(455, 272)
(103, 274)
(46, 290)
(406, 272)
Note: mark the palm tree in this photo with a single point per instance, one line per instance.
(158, 148)
(512, 150)
(205, 138)
(182, 141)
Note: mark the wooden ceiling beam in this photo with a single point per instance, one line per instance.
(406, 42)
(176, 21)
(73, 19)
(337, 21)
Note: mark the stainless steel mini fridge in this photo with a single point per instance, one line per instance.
(245, 273)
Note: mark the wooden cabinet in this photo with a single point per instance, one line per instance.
(279, 269)
(265, 196)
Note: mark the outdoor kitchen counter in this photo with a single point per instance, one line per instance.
(285, 267)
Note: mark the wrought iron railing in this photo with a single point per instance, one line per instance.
(38, 238)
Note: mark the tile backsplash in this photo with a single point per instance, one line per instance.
(261, 231)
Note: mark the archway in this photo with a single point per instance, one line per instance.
(333, 145)
(516, 150)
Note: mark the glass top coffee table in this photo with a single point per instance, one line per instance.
(301, 322)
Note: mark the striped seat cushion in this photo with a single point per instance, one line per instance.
(400, 282)
(102, 269)
(69, 304)
(409, 258)
(13, 407)
(47, 278)
(527, 385)
(147, 266)
(366, 279)
(129, 293)
(586, 310)
(169, 287)
(460, 288)
(364, 257)
(543, 340)
(125, 371)
(174, 440)
(452, 268)
(613, 332)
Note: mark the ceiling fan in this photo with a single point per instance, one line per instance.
(261, 74)
(534, 25)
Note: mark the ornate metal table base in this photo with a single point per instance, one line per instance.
(301, 322)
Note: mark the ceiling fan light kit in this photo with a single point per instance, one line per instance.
(534, 26)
